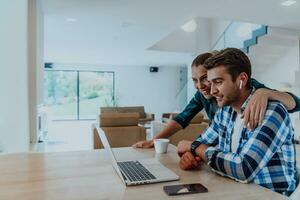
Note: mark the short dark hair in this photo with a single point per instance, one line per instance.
(235, 61)
(201, 58)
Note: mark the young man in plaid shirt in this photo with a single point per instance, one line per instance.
(264, 155)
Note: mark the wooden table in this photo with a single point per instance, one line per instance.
(88, 175)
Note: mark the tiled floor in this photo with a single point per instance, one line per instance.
(67, 136)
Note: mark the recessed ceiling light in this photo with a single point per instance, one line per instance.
(288, 2)
(71, 20)
(190, 26)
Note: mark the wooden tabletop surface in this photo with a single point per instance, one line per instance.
(88, 175)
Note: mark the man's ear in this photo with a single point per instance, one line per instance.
(243, 77)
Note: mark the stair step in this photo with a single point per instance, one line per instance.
(269, 49)
(264, 60)
(275, 40)
(283, 32)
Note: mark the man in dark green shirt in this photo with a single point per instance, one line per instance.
(253, 114)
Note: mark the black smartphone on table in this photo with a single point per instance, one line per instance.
(185, 189)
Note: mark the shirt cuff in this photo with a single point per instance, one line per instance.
(209, 153)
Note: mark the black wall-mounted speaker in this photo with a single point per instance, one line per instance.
(48, 65)
(153, 69)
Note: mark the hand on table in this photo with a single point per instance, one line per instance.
(144, 144)
(188, 161)
(183, 146)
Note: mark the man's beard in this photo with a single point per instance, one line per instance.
(229, 100)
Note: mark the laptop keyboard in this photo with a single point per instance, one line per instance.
(135, 171)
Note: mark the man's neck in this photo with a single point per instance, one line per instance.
(237, 105)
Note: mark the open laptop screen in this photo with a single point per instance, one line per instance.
(109, 151)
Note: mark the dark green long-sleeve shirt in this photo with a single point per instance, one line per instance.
(199, 102)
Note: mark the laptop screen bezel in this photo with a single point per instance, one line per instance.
(108, 149)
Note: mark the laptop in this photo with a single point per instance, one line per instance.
(138, 172)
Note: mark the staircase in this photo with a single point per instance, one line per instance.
(272, 47)
(263, 44)
(262, 30)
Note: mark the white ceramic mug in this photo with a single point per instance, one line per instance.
(161, 145)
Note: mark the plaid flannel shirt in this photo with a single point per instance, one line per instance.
(265, 155)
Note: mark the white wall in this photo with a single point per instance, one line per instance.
(217, 27)
(203, 35)
(191, 88)
(273, 75)
(39, 52)
(35, 63)
(18, 83)
(14, 111)
(136, 86)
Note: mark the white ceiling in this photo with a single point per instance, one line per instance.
(119, 32)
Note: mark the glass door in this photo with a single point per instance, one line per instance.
(61, 94)
(96, 89)
(74, 95)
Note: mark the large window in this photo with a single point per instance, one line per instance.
(74, 95)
